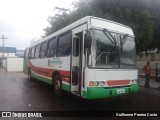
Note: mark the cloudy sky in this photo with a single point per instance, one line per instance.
(23, 20)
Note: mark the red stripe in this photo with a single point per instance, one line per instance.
(47, 72)
(117, 82)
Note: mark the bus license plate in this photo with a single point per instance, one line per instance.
(120, 91)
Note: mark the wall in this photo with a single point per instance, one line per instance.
(154, 59)
(14, 65)
(8, 54)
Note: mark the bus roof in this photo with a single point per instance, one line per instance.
(91, 22)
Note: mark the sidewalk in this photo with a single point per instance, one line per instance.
(153, 84)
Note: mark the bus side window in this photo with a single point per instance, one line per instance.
(29, 54)
(43, 50)
(32, 53)
(52, 44)
(37, 51)
(64, 45)
(26, 53)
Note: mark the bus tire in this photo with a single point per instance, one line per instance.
(29, 74)
(58, 85)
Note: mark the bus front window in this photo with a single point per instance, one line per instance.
(111, 50)
(128, 54)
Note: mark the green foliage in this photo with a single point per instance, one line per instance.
(141, 15)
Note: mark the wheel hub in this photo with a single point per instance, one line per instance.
(57, 85)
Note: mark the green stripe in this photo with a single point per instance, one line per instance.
(49, 81)
(65, 87)
(98, 92)
(44, 79)
(84, 94)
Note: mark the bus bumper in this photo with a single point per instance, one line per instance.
(99, 92)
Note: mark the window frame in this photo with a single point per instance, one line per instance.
(64, 45)
(43, 51)
(49, 49)
(32, 53)
(37, 52)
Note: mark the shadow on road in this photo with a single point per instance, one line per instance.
(71, 102)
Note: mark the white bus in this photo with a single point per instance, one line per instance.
(92, 58)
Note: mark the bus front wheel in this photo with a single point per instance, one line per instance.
(58, 85)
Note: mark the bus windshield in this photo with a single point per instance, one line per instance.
(111, 50)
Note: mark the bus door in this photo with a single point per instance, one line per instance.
(76, 66)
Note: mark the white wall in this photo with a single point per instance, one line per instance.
(14, 65)
(154, 59)
(8, 54)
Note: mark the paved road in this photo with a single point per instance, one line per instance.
(153, 83)
(17, 93)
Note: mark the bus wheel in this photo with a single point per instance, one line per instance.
(29, 74)
(58, 85)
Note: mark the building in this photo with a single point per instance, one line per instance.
(20, 53)
(12, 60)
(8, 52)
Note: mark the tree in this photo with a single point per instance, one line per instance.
(140, 15)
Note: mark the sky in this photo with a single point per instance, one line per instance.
(24, 20)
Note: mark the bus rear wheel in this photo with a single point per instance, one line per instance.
(58, 85)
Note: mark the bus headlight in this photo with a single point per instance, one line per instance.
(97, 83)
(100, 83)
(134, 81)
(91, 83)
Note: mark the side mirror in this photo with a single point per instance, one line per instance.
(87, 43)
(76, 46)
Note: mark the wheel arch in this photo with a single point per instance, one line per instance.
(54, 74)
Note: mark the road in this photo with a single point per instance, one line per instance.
(17, 93)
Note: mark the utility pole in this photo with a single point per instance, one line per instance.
(3, 45)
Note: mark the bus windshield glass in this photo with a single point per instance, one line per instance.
(111, 50)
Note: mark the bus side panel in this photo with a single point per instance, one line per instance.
(43, 69)
(42, 78)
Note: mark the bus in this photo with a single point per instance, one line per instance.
(92, 58)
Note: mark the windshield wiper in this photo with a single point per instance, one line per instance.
(125, 37)
(122, 42)
(109, 36)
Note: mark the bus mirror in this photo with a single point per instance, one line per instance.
(76, 47)
(87, 43)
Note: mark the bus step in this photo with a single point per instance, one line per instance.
(76, 93)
